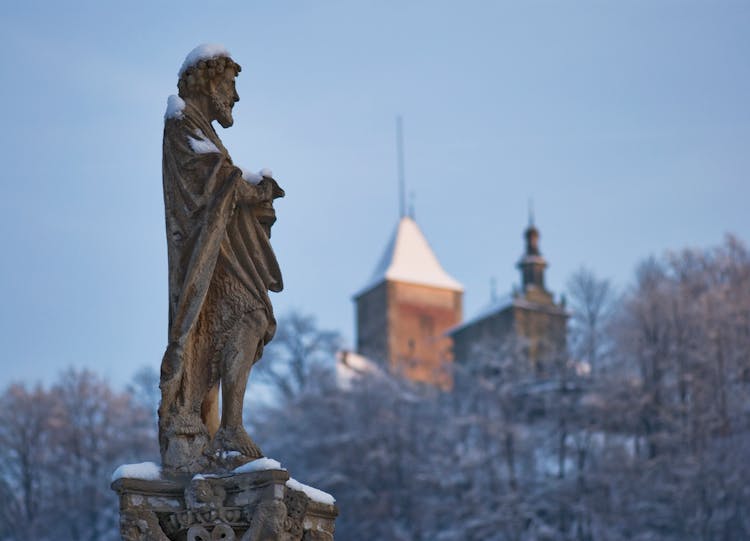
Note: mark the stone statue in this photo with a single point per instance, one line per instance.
(221, 267)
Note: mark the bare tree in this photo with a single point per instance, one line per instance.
(299, 355)
(58, 448)
(26, 418)
(685, 326)
(654, 447)
(591, 301)
(144, 387)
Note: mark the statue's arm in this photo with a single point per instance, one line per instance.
(249, 193)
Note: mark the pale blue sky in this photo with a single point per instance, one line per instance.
(628, 122)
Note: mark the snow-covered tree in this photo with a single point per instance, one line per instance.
(592, 301)
(58, 448)
(298, 355)
(652, 448)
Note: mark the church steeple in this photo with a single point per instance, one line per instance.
(530, 314)
(532, 264)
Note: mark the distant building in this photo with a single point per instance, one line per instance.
(409, 315)
(406, 308)
(528, 320)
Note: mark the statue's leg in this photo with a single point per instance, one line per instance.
(239, 357)
(196, 379)
(210, 410)
(184, 434)
(210, 331)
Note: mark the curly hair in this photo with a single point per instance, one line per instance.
(195, 79)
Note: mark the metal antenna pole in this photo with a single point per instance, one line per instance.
(401, 179)
(531, 211)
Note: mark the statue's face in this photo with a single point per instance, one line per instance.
(223, 97)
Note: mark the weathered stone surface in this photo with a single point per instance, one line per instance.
(221, 268)
(254, 506)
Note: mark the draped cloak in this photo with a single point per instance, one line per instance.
(213, 217)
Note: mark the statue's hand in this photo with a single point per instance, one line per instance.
(265, 189)
(276, 190)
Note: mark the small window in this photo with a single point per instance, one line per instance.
(427, 325)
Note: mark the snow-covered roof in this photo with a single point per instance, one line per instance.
(351, 365)
(504, 302)
(493, 307)
(204, 51)
(409, 258)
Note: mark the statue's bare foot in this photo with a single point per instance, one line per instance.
(236, 439)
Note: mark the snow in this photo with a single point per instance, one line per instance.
(148, 471)
(314, 494)
(227, 454)
(204, 51)
(201, 144)
(175, 106)
(351, 365)
(409, 258)
(250, 176)
(260, 464)
(533, 259)
(493, 307)
(583, 368)
(506, 301)
(255, 178)
(265, 463)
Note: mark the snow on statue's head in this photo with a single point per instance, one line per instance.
(209, 72)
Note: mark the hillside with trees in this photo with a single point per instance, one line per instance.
(641, 432)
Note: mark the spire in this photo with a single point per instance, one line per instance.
(531, 212)
(532, 241)
(532, 264)
(400, 165)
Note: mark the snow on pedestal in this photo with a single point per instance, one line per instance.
(147, 471)
(260, 464)
(313, 493)
(257, 500)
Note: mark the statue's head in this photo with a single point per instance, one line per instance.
(210, 82)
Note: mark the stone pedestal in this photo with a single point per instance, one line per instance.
(256, 506)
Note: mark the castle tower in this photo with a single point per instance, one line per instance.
(529, 320)
(406, 308)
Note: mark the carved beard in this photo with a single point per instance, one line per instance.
(223, 111)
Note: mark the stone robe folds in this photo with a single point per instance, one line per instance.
(217, 225)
